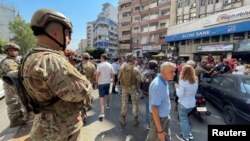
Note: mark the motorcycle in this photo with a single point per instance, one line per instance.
(200, 111)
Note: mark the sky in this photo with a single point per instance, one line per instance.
(78, 11)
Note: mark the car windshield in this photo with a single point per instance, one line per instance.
(246, 85)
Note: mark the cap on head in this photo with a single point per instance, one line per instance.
(42, 17)
(10, 45)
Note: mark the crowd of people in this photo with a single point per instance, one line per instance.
(60, 87)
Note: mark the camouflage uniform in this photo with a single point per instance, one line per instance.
(15, 110)
(89, 71)
(47, 73)
(132, 90)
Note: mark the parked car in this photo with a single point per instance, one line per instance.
(230, 93)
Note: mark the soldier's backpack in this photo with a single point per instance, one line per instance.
(15, 79)
(148, 78)
(1, 70)
(127, 75)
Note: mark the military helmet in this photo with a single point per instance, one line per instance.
(42, 17)
(86, 55)
(10, 45)
(130, 57)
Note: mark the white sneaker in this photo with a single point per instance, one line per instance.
(190, 136)
(101, 115)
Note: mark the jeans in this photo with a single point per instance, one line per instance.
(147, 109)
(183, 115)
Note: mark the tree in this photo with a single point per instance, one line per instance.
(2, 42)
(95, 52)
(23, 35)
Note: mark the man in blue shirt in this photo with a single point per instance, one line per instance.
(159, 104)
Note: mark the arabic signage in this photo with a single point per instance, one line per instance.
(151, 47)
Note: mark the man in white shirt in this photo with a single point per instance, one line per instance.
(239, 69)
(104, 73)
(116, 67)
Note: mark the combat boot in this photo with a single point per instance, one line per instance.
(17, 122)
(122, 121)
(135, 121)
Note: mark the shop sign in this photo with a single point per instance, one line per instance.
(220, 30)
(230, 15)
(151, 47)
(218, 47)
(244, 45)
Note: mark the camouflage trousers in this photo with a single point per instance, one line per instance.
(15, 109)
(132, 92)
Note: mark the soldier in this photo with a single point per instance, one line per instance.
(88, 68)
(52, 82)
(16, 112)
(130, 78)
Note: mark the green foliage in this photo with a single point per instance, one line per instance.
(23, 35)
(2, 42)
(95, 52)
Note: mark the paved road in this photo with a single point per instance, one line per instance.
(110, 130)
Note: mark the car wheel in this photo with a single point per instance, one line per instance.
(229, 115)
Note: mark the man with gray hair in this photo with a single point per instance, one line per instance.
(159, 104)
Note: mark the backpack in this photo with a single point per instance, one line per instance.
(15, 80)
(148, 78)
(127, 74)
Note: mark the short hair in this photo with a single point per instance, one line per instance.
(167, 64)
(152, 64)
(104, 56)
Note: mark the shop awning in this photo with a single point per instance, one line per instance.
(220, 30)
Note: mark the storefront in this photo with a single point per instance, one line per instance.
(226, 35)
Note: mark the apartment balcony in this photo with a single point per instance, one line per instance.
(125, 9)
(124, 28)
(123, 1)
(124, 37)
(135, 2)
(124, 46)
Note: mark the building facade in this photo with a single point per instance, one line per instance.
(143, 25)
(81, 46)
(224, 32)
(103, 31)
(7, 14)
(90, 34)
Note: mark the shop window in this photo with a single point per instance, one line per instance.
(183, 42)
(189, 42)
(215, 38)
(217, 1)
(248, 35)
(205, 40)
(226, 37)
(239, 36)
(176, 43)
(171, 43)
(197, 41)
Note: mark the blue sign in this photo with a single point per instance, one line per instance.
(226, 29)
